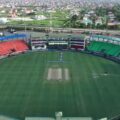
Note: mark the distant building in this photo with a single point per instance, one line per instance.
(40, 17)
(3, 20)
(74, 12)
(110, 24)
(99, 21)
(21, 19)
(13, 12)
(86, 20)
(2, 11)
(29, 11)
(111, 17)
(91, 12)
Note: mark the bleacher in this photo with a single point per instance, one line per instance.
(12, 47)
(38, 44)
(77, 44)
(104, 47)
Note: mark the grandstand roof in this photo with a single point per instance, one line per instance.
(56, 35)
(106, 37)
(6, 118)
(14, 36)
(64, 118)
(39, 118)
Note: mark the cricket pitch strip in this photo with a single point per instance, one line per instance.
(58, 74)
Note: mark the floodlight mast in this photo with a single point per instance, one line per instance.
(51, 16)
(51, 22)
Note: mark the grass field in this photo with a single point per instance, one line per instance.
(93, 88)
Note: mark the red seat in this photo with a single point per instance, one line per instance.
(12, 47)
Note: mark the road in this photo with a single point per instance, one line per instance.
(113, 32)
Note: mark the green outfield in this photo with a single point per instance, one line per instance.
(36, 84)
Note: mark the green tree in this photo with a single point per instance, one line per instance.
(116, 11)
(101, 11)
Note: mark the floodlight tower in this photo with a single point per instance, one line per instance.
(51, 23)
(51, 16)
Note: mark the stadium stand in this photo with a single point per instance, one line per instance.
(77, 44)
(103, 47)
(13, 37)
(11, 47)
(37, 44)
